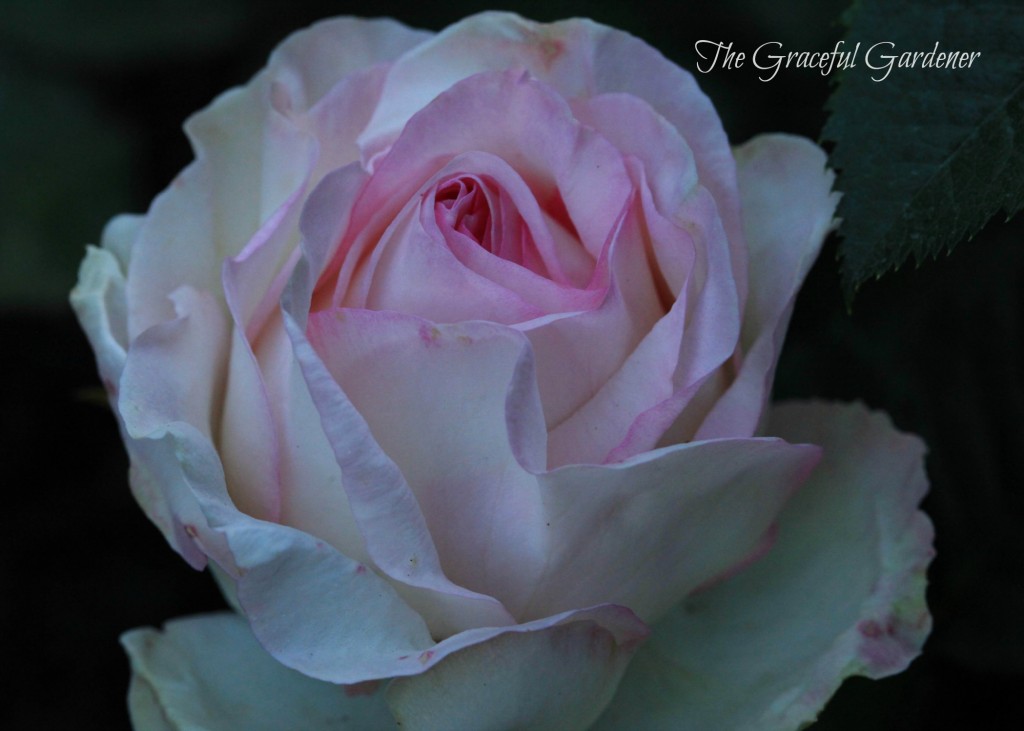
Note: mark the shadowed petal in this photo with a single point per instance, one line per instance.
(556, 679)
(208, 672)
(646, 532)
(841, 593)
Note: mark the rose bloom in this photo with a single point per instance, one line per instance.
(450, 355)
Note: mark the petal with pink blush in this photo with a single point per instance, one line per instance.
(840, 593)
(420, 260)
(253, 282)
(574, 174)
(787, 212)
(676, 249)
(519, 232)
(623, 356)
(580, 59)
(643, 389)
(636, 129)
(710, 333)
(625, 64)
(412, 270)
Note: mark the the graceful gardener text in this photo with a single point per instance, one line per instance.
(880, 58)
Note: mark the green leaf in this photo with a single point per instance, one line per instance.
(926, 156)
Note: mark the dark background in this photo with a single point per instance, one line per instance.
(92, 96)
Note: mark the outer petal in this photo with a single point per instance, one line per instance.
(167, 404)
(557, 679)
(208, 672)
(841, 593)
(317, 57)
(253, 150)
(349, 625)
(98, 298)
(646, 532)
(787, 211)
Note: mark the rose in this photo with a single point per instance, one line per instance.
(451, 355)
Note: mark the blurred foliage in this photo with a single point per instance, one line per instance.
(115, 32)
(926, 155)
(92, 97)
(65, 167)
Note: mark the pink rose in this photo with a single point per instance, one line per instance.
(451, 354)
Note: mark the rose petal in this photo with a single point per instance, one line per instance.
(523, 243)
(250, 455)
(626, 64)
(166, 405)
(316, 58)
(709, 335)
(415, 272)
(352, 619)
(210, 210)
(647, 531)
(491, 41)
(253, 280)
(283, 445)
(385, 508)
(513, 116)
(636, 129)
(415, 266)
(840, 593)
(637, 402)
(98, 299)
(312, 496)
(333, 619)
(559, 678)
(434, 399)
(622, 357)
(252, 152)
(209, 672)
(317, 610)
(787, 211)
(580, 59)
(682, 245)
